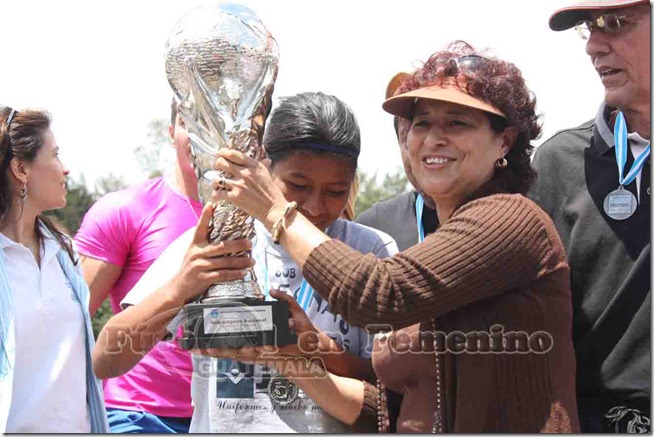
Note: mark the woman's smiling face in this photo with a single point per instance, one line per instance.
(452, 149)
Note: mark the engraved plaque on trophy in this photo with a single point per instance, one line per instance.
(221, 63)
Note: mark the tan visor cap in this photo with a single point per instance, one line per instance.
(402, 104)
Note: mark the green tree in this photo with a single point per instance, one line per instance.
(101, 316)
(109, 184)
(78, 201)
(156, 153)
(371, 191)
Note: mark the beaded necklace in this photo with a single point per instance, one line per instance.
(438, 425)
(438, 414)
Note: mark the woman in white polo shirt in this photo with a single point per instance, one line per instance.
(46, 380)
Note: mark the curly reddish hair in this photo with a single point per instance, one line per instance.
(498, 83)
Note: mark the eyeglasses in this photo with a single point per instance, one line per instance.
(607, 23)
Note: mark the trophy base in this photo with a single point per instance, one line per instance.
(226, 323)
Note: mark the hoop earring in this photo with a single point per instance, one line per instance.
(23, 193)
(501, 163)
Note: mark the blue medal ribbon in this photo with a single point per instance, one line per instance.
(305, 294)
(620, 136)
(420, 206)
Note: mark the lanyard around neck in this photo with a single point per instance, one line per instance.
(420, 207)
(620, 136)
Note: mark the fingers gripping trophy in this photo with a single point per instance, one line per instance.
(221, 63)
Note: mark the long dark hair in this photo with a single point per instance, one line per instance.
(316, 123)
(21, 137)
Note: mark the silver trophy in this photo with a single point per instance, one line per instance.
(221, 63)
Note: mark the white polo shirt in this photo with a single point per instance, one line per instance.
(49, 391)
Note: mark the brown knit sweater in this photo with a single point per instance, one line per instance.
(497, 261)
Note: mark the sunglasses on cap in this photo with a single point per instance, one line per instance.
(465, 63)
(607, 23)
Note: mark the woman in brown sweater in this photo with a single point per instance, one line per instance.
(488, 291)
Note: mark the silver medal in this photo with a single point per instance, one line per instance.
(620, 204)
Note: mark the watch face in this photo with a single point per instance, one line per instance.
(282, 391)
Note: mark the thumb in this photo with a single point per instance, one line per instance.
(202, 228)
(285, 297)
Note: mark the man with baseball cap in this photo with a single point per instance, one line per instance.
(391, 216)
(594, 180)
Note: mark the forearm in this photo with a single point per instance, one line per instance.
(130, 334)
(336, 360)
(339, 396)
(100, 277)
(348, 365)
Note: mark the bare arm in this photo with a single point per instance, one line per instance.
(347, 364)
(130, 334)
(100, 277)
(339, 396)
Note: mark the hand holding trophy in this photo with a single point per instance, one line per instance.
(221, 63)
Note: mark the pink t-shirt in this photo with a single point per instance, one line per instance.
(130, 228)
